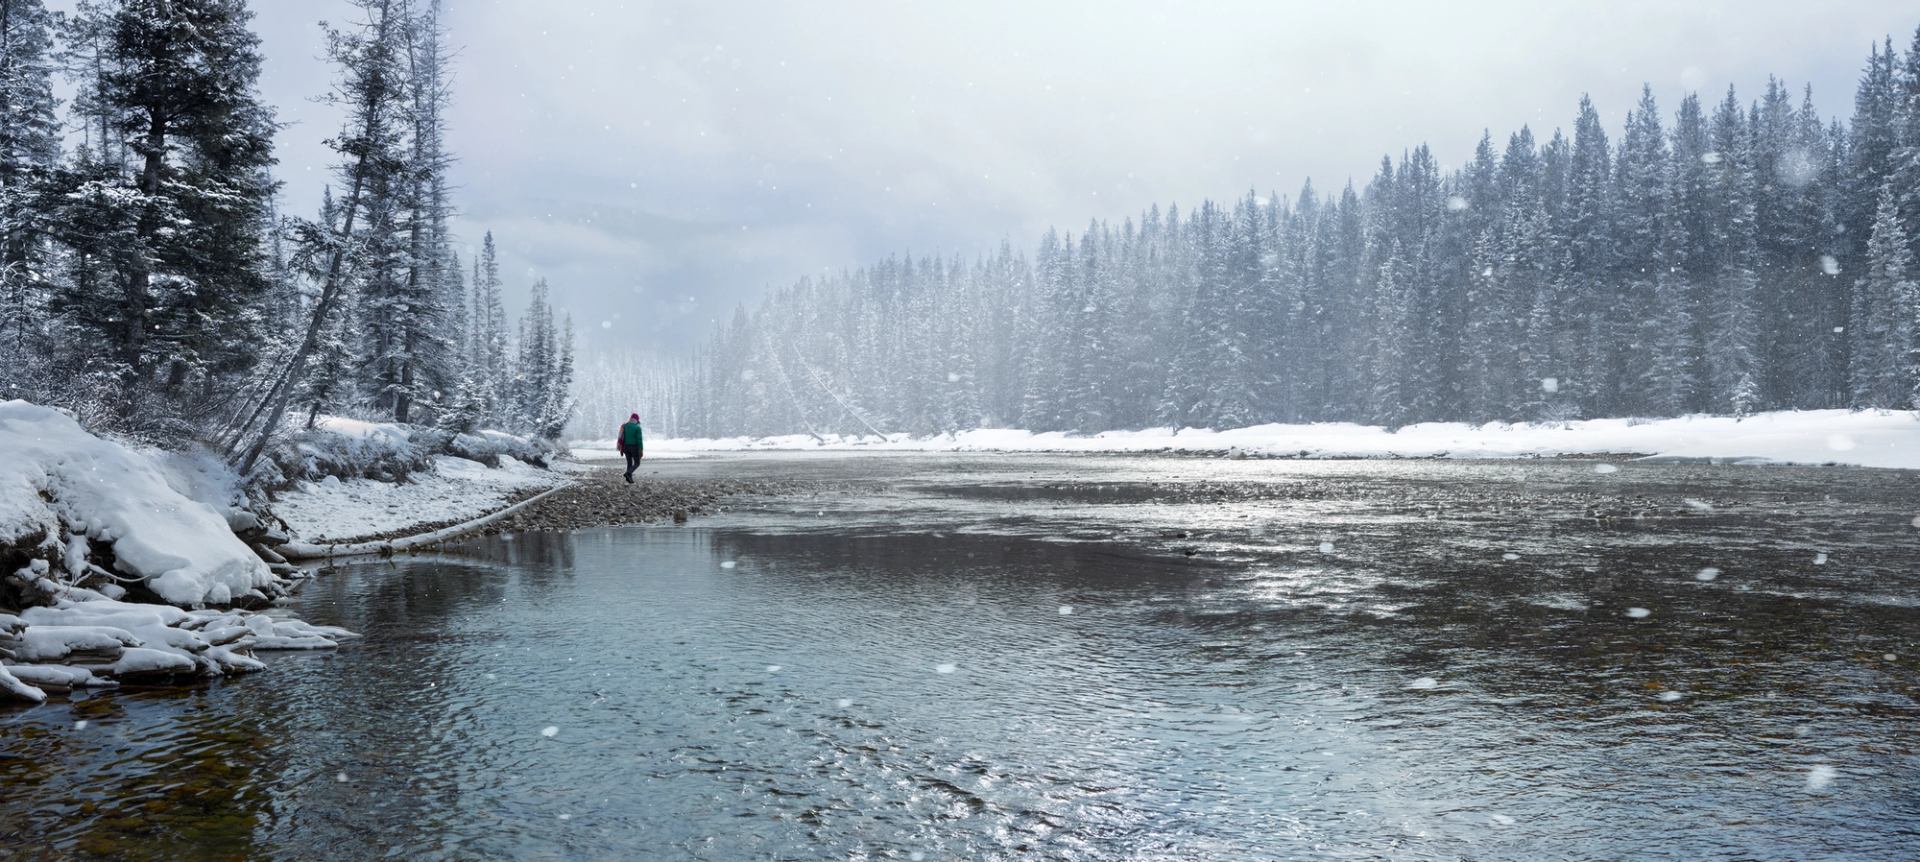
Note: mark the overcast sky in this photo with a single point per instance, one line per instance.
(660, 162)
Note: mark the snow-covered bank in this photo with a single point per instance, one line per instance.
(328, 550)
(61, 486)
(350, 480)
(1864, 438)
(453, 489)
(86, 522)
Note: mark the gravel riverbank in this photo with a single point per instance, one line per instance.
(601, 498)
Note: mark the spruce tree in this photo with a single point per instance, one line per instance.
(174, 300)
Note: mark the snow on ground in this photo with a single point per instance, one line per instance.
(455, 490)
(56, 475)
(360, 429)
(602, 450)
(1865, 438)
(65, 494)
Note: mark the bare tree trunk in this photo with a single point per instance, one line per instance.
(275, 403)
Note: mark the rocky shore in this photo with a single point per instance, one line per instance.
(601, 498)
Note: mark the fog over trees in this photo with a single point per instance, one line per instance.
(1726, 254)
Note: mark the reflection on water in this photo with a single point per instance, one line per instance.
(1439, 663)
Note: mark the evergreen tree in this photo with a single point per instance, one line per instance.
(1734, 371)
(29, 148)
(176, 310)
(1886, 368)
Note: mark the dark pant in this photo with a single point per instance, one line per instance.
(633, 461)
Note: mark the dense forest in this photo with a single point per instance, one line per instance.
(1726, 256)
(149, 285)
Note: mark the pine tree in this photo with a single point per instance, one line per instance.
(490, 334)
(1886, 369)
(1587, 226)
(1640, 210)
(29, 147)
(369, 87)
(179, 313)
(1734, 368)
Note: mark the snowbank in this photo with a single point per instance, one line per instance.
(55, 475)
(328, 550)
(1869, 439)
(602, 450)
(389, 452)
(455, 489)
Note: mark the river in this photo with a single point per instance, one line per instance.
(1082, 658)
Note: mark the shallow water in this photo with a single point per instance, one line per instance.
(1071, 658)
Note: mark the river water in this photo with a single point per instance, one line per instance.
(994, 657)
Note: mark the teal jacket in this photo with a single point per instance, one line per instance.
(631, 437)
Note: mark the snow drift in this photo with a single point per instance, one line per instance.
(1889, 438)
(56, 478)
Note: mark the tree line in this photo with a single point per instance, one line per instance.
(149, 284)
(1727, 256)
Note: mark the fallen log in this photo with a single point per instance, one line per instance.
(309, 551)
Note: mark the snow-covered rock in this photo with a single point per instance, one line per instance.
(55, 474)
(15, 687)
(58, 643)
(56, 676)
(93, 641)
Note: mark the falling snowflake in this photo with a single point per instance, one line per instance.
(80, 725)
(1639, 613)
(1549, 384)
(550, 731)
(1509, 556)
(1829, 265)
(1456, 203)
(1422, 684)
(728, 564)
(1820, 558)
(1821, 776)
(1604, 469)
(1066, 610)
(1706, 574)
(340, 777)
(952, 377)
(773, 668)
(1712, 158)
(844, 702)
(948, 667)
(1326, 547)
(1670, 696)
